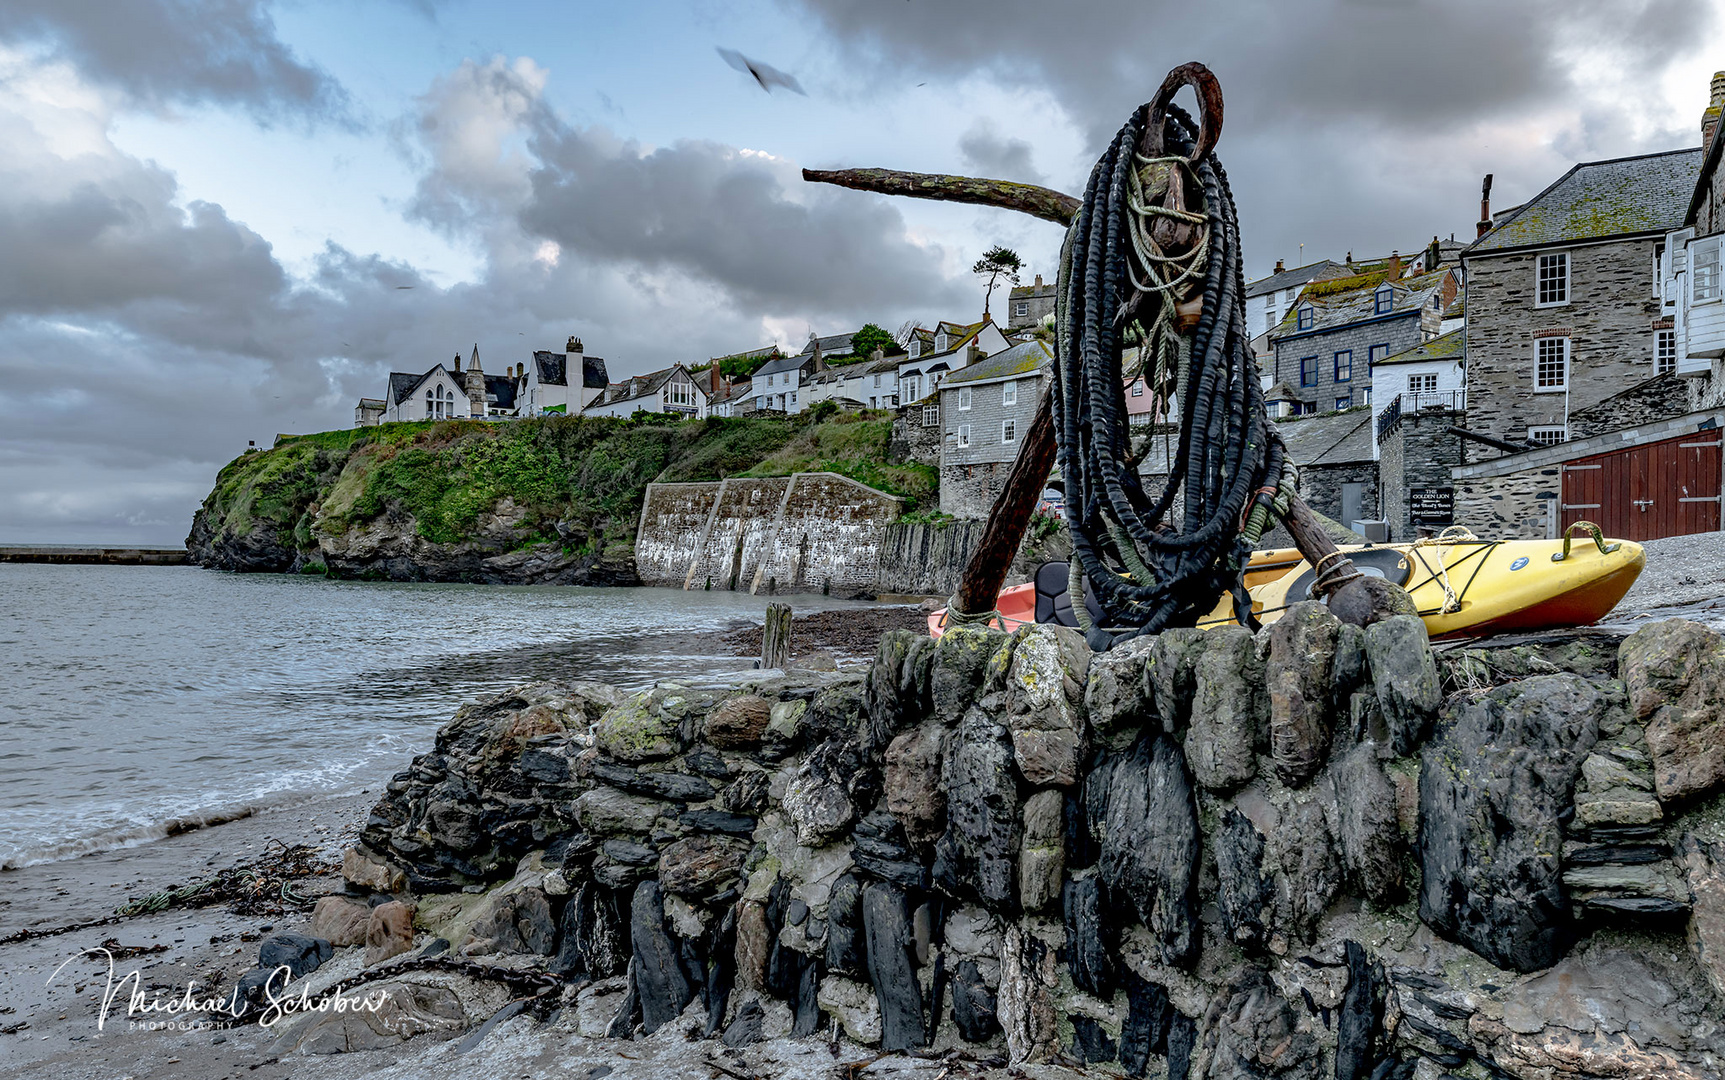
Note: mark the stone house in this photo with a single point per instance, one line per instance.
(1027, 305)
(1269, 298)
(561, 382)
(1563, 297)
(1339, 328)
(369, 411)
(946, 348)
(983, 412)
(668, 390)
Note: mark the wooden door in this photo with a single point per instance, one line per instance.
(1665, 488)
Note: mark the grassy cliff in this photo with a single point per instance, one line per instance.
(560, 496)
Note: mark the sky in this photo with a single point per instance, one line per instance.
(225, 219)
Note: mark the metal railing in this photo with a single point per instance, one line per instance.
(1419, 401)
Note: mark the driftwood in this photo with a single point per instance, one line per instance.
(1038, 202)
(1010, 516)
(776, 637)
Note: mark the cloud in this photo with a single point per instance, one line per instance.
(993, 155)
(164, 53)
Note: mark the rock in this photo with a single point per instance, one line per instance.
(1360, 1023)
(1298, 676)
(1492, 786)
(717, 821)
(1090, 1043)
(879, 847)
(556, 884)
(887, 929)
(362, 868)
(628, 1014)
(1042, 858)
(755, 941)
(591, 936)
(1405, 675)
(1365, 826)
(1149, 1016)
(785, 730)
(340, 920)
(1241, 891)
(746, 1026)
(1311, 869)
(512, 920)
(807, 1015)
(658, 977)
(604, 811)
(820, 809)
(912, 780)
(1258, 1035)
(972, 931)
(406, 1010)
(596, 1004)
(844, 949)
(853, 1005)
(1230, 710)
(638, 730)
(1150, 845)
(1025, 1004)
(389, 931)
(661, 783)
(1704, 865)
(721, 947)
(739, 722)
(698, 867)
(1170, 672)
(1045, 687)
(1088, 932)
(1117, 699)
(1675, 673)
(1617, 792)
(747, 794)
(955, 674)
(895, 696)
(973, 858)
(973, 1004)
(301, 955)
(629, 853)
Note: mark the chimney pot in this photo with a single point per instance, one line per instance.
(574, 345)
(1484, 225)
(1279, 267)
(1039, 281)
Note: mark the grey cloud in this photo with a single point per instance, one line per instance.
(1001, 157)
(178, 52)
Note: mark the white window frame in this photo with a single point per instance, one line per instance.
(1665, 352)
(1009, 392)
(1548, 435)
(1540, 278)
(1008, 432)
(1704, 267)
(940, 342)
(1424, 382)
(1021, 309)
(964, 400)
(931, 416)
(1539, 347)
(963, 435)
(1137, 387)
(915, 348)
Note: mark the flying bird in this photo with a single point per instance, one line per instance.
(765, 74)
(404, 286)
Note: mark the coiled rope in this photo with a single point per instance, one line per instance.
(1149, 567)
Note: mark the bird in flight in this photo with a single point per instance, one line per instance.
(765, 74)
(404, 286)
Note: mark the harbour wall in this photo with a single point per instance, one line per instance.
(107, 556)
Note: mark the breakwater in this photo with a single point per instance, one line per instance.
(71, 554)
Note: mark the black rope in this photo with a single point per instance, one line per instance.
(1229, 456)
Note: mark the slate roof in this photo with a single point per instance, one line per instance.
(1019, 360)
(1020, 292)
(404, 383)
(1600, 199)
(831, 344)
(784, 363)
(550, 365)
(593, 373)
(371, 403)
(1328, 438)
(638, 386)
(500, 391)
(1450, 346)
(1288, 279)
(1359, 304)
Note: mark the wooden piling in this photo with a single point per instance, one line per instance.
(776, 637)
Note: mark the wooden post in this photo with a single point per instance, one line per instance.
(1009, 517)
(776, 637)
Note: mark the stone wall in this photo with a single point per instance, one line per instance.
(1400, 331)
(915, 440)
(1513, 506)
(825, 536)
(1321, 487)
(1651, 399)
(1314, 852)
(926, 558)
(738, 533)
(1418, 452)
(672, 529)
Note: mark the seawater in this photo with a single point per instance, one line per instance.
(132, 697)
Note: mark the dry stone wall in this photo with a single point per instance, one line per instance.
(1316, 851)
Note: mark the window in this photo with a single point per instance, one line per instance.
(680, 393)
(1551, 364)
(1422, 384)
(1377, 354)
(1344, 365)
(1553, 285)
(1020, 309)
(1664, 352)
(1383, 300)
(964, 434)
(1304, 319)
(1365, 395)
(1009, 393)
(1344, 403)
(1008, 431)
(1706, 270)
(793, 397)
(1305, 408)
(940, 341)
(964, 399)
(1269, 320)
(931, 416)
(915, 348)
(877, 380)
(1547, 436)
(1309, 371)
(1138, 388)
(1659, 271)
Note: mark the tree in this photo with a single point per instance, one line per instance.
(871, 337)
(996, 263)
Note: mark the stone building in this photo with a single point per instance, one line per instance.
(1563, 296)
(1326, 345)
(1028, 305)
(1417, 448)
(984, 411)
(1268, 300)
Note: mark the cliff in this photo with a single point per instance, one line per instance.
(549, 501)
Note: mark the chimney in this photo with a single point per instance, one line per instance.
(1039, 276)
(574, 346)
(878, 355)
(1434, 255)
(1715, 102)
(1485, 206)
(457, 363)
(1279, 267)
(1395, 266)
(972, 354)
(1349, 258)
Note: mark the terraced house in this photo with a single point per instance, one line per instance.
(984, 411)
(1326, 345)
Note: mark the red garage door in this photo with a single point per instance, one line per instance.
(1667, 488)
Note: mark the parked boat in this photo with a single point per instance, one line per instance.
(1462, 586)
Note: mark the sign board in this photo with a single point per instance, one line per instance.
(1431, 505)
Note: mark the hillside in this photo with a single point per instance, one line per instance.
(552, 500)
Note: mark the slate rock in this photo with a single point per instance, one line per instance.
(629, 853)
(820, 809)
(389, 931)
(895, 696)
(747, 794)
(974, 857)
(1230, 710)
(887, 929)
(957, 667)
(707, 820)
(1090, 1043)
(879, 847)
(755, 940)
(1704, 868)
(973, 1004)
(1360, 1022)
(1150, 845)
(1675, 674)
(638, 730)
(746, 1026)
(1405, 675)
(1117, 698)
(1149, 1016)
(844, 948)
(911, 776)
(1258, 1035)
(656, 784)
(853, 1005)
(699, 867)
(628, 1010)
(300, 954)
(1170, 673)
(1241, 891)
(1088, 926)
(1045, 703)
(739, 722)
(721, 973)
(605, 811)
(1029, 978)
(1365, 825)
(806, 1007)
(1493, 784)
(1311, 866)
(1298, 676)
(659, 981)
(592, 937)
(1042, 856)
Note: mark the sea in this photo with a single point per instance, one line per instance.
(137, 700)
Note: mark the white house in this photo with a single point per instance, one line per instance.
(1432, 374)
(778, 384)
(439, 394)
(562, 382)
(668, 390)
(946, 348)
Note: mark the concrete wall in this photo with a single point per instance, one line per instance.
(925, 557)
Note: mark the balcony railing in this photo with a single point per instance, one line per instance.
(1419, 401)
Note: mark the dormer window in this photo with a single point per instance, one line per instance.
(915, 348)
(1304, 317)
(940, 341)
(1385, 299)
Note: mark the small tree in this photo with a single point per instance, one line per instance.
(870, 338)
(996, 263)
